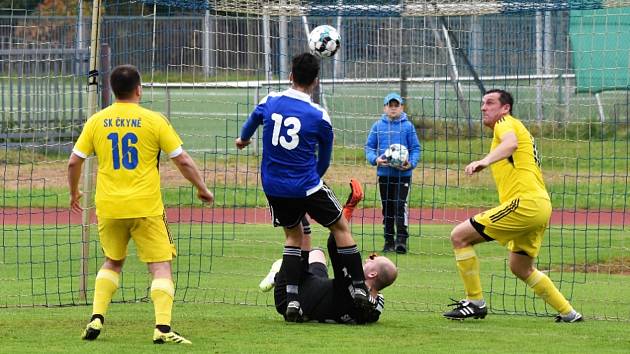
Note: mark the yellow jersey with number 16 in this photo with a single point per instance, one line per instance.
(518, 175)
(126, 139)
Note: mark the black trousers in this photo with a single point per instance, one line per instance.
(394, 192)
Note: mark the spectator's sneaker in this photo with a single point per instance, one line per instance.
(573, 316)
(92, 330)
(465, 309)
(294, 312)
(356, 195)
(389, 246)
(269, 281)
(401, 246)
(170, 337)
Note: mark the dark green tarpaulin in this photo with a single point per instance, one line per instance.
(600, 41)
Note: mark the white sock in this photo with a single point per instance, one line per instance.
(478, 303)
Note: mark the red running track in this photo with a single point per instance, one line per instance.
(51, 216)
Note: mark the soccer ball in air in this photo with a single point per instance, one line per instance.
(396, 155)
(324, 41)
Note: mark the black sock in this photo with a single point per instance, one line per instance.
(305, 255)
(351, 258)
(291, 265)
(163, 328)
(99, 316)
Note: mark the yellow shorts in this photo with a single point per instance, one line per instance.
(518, 223)
(151, 235)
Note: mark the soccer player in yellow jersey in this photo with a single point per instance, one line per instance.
(518, 222)
(127, 140)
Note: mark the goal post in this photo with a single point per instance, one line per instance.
(87, 202)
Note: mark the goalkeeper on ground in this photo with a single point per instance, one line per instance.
(328, 300)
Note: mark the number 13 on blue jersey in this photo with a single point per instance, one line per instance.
(293, 124)
(129, 151)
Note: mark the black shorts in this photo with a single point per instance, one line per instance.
(322, 206)
(313, 284)
(318, 269)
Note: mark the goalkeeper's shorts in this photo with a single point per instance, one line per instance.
(153, 239)
(519, 223)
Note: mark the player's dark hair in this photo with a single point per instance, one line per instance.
(124, 79)
(305, 69)
(504, 97)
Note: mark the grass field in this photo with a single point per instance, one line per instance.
(219, 328)
(227, 314)
(224, 263)
(578, 174)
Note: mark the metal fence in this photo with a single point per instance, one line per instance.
(43, 60)
(495, 44)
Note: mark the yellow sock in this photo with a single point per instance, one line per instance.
(543, 287)
(162, 293)
(468, 266)
(105, 286)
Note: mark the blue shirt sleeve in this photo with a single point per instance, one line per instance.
(255, 119)
(371, 145)
(413, 145)
(325, 148)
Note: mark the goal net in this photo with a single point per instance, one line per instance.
(205, 64)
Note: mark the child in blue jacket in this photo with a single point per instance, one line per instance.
(394, 182)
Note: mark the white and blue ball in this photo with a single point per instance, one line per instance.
(324, 41)
(396, 155)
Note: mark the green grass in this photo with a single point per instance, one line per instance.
(220, 309)
(206, 116)
(581, 169)
(224, 262)
(220, 328)
(578, 175)
(199, 77)
(571, 193)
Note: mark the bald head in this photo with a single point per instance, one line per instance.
(380, 272)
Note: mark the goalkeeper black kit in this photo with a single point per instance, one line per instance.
(323, 299)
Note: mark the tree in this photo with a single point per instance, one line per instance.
(7, 5)
(62, 7)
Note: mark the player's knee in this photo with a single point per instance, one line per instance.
(341, 225)
(457, 238)
(113, 264)
(521, 272)
(316, 256)
(340, 229)
(160, 269)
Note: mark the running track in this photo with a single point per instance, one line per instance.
(41, 216)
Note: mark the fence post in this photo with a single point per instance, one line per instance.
(205, 55)
(106, 68)
(88, 166)
(267, 46)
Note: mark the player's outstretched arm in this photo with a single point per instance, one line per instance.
(251, 124)
(505, 149)
(189, 170)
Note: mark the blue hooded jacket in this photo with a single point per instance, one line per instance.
(385, 132)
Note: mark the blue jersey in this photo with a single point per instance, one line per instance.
(297, 143)
(388, 131)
